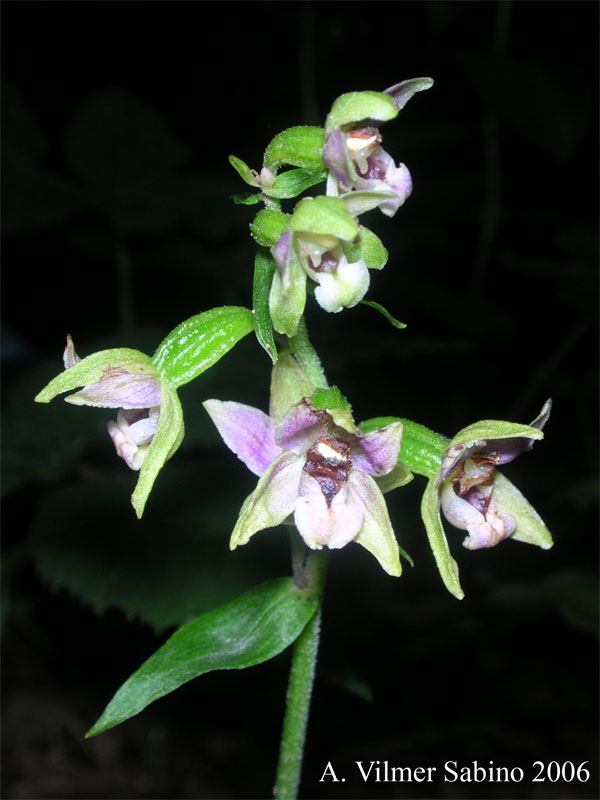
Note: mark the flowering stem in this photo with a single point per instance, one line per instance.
(306, 356)
(309, 572)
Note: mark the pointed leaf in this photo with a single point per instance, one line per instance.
(201, 341)
(246, 199)
(251, 629)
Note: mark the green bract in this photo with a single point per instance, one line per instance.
(201, 341)
(354, 107)
(300, 146)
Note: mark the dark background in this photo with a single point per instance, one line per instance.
(117, 224)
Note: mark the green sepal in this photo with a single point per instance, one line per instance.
(530, 526)
(264, 269)
(289, 385)
(267, 226)
(369, 247)
(324, 216)
(201, 341)
(286, 302)
(447, 566)
(399, 476)
(295, 181)
(487, 429)
(244, 171)
(300, 146)
(384, 312)
(376, 534)
(91, 369)
(354, 107)
(167, 438)
(246, 199)
(249, 630)
(336, 405)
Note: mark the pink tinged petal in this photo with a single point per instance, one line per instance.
(273, 500)
(377, 453)
(131, 435)
(337, 159)
(301, 427)
(321, 525)
(247, 431)
(343, 288)
(119, 388)
(70, 357)
(376, 534)
(484, 531)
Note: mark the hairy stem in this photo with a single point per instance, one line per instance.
(309, 573)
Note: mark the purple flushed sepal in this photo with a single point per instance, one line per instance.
(149, 424)
(316, 474)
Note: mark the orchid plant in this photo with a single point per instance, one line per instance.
(320, 473)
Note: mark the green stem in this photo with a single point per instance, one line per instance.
(306, 356)
(309, 572)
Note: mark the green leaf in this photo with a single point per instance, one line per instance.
(251, 629)
(446, 565)
(378, 307)
(201, 341)
(323, 215)
(267, 226)
(354, 107)
(294, 182)
(300, 146)
(243, 170)
(264, 269)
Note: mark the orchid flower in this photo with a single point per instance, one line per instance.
(474, 496)
(149, 425)
(317, 469)
(353, 152)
